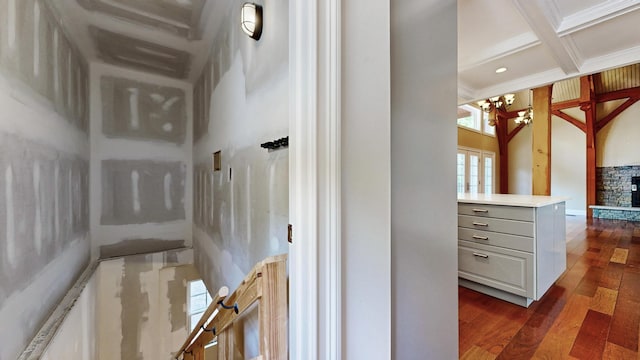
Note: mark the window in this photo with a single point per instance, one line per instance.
(488, 172)
(475, 119)
(199, 300)
(461, 186)
(469, 117)
(486, 128)
(475, 171)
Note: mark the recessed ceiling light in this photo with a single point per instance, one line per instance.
(501, 70)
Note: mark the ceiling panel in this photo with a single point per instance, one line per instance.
(518, 65)
(568, 7)
(614, 35)
(482, 23)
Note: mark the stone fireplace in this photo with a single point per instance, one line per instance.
(614, 192)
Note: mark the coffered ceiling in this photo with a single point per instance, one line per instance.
(541, 41)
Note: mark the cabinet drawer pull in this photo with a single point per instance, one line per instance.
(480, 210)
(480, 224)
(484, 256)
(480, 237)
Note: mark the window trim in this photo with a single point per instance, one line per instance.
(474, 112)
(482, 123)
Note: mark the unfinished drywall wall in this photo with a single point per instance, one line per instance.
(75, 339)
(35, 50)
(241, 101)
(138, 54)
(142, 191)
(44, 169)
(140, 162)
(178, 17)
(142, 305)
(137, 110)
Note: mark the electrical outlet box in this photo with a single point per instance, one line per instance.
(216, 162)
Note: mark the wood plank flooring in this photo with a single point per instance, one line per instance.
(591, 312)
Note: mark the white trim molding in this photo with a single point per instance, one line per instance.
(314, 179)
(539, 21)
(595, 15)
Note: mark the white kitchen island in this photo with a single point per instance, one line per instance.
(511, 246)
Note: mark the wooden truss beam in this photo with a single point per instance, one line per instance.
(573, 121)
(588, 105)
(612, 115)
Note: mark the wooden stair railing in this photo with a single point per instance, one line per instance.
(265, 284)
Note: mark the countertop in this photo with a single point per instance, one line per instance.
(510, 199)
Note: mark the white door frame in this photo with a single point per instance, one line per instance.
(314, 179)
(467, 151)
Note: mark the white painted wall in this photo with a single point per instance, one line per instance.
(569, 165)
(366, 181)
(617, 143)
(423, 195)
(76, 336)
(521, 162)
(103, 148)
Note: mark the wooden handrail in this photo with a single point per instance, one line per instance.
(221, 295)
(266, 284)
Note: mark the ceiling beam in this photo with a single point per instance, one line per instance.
(563, 50)
(630, 93)
(565, 104)
(619, 94)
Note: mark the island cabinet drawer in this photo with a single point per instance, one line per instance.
(508, 241)
(513, 227)
(497, 211)
(503, 269)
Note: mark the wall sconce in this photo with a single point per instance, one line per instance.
(251, 20)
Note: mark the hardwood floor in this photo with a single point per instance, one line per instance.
(591, 312)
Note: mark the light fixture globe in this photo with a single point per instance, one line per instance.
(251, 20)
(509, 99)
(496, 102)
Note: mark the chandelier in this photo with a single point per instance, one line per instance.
(525, 116)
(496, 102)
